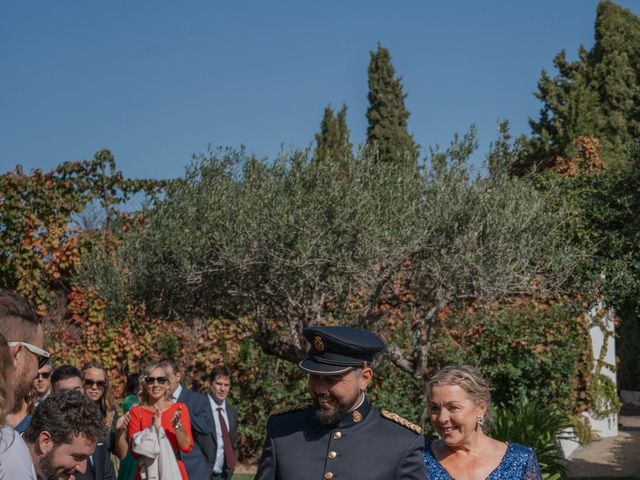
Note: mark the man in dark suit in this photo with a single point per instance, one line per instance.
(222, 448)
(200, 417)
(340, 435)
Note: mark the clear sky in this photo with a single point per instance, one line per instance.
(156, 81)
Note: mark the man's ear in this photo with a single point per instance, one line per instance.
(365, 378)
(178, 377)
(14, 354)
(44, 442)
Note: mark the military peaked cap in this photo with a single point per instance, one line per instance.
(336, 350)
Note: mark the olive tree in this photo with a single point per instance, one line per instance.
(287, 244)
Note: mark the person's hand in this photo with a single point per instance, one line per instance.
(157, 421)
(175, 420)
(122, 422)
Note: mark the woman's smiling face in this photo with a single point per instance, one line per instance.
(159, 386)
(94, 382)
(453, 414)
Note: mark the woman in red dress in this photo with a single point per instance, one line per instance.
(158, 409)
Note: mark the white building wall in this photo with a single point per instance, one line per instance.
(605, 427)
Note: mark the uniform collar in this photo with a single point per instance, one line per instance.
(357, 415)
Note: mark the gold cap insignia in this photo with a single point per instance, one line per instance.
(318, 343)
(357, 416)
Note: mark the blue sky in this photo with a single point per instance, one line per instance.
(156, 81)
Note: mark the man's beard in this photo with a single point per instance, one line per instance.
(47, 470)
(21, 389)
(333, 415)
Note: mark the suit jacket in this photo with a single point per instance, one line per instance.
(210, 446)
(99, 466)
(201, 426)
(365, 444)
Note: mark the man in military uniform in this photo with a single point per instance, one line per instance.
(340, 436)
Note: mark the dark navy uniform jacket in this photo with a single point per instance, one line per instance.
(363, 446)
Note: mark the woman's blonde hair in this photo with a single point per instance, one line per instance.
(142, 389)
(106, 403)
(469, 379)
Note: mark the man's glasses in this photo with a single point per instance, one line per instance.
(152, 380)
(42, 355)
(44, 375)
(91, 383)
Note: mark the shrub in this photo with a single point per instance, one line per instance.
(537, 426)
(528, 350)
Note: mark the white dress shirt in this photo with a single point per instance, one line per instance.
(176, 393)
(218, 466)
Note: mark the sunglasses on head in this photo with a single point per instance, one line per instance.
(42, 355)
(152, 380)
(44, 375)
(90, 383)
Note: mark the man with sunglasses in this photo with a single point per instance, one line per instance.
(22, 327)
(99, 466)
(42, 383)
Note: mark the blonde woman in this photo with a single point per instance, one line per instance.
(158, 409)
(96, 386)
(459, 398)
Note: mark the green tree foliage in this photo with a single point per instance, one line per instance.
(288, 243)
(529, 350)
(504, 152)
(596, 95)
(608, 230)
(39, 246)
(294, 243)
(616, 73)
(333, 139)
(387, 116)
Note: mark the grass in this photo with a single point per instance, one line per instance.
(243, 476)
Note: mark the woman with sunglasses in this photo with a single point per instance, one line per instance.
(96, 386)
(158, 409)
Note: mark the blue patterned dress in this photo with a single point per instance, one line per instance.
(518, 463)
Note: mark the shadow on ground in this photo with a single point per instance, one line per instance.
(611, 457)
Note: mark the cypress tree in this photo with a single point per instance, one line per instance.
(387, 131)
(597, 95)
(616, 74)
(570, 109)
(333, 139)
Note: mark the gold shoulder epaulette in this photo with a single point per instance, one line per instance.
(295, 408)
(401, 421)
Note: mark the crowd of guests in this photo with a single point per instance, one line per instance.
(64, 422)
